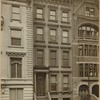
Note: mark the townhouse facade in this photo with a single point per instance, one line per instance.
(46, 46)
(86, 47)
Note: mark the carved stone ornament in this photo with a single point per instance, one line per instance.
(16, 54)
(2, 22)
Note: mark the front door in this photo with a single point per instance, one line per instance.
(40, 84)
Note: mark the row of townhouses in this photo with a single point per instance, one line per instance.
(49, 49)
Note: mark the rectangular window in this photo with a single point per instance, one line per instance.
(16, 67)
(65, 59)
(15, 12)
(16, 94)
(86, 70)
(53, 82)
(86, 50)
(95, 50)
(87, 12)
(53, 57)
(65, 82)
(80, 47)
(52, 15)
(90, 11)
(52, 35)
(40, 56)
(39, 34)
(65, 37)
(81, 70)
(16, 37)
(39, 13)
(90, 50)
(65, 16)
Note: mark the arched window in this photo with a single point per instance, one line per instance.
(88, 31)
(95, 90)
(84, 92)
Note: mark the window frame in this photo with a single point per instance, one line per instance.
(53, 58)
(42, 14)
(56, 83)
(43, 59)
(54, 16)
(13, 19)
(89, 12)
(65, 83)
(50, 36)
(42, 35)
(67, 18)
(16, 92)
(22, 36)
(21, 65)
(67, 37)
(68, 59)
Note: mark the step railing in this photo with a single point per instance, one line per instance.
(35, 96)
(49, 97)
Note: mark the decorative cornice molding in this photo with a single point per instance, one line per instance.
(16, 54)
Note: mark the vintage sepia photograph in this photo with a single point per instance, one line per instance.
(49, 50)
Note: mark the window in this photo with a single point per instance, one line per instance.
(16, 67)
(52, 35)
(53, 57)
(88, 32)
(52, 15)
(40, 57)
(16, 94)
(90, 50)
(16, 37)
(15, 12)
(53, 83)
(65, 37)
(65, 16)
(81, 70)
(65, 82)
(39, 36)
(39, 13)
(87, 70)
(90, 11)
(86, 50)
(80, 47)
(65, 59)
(95, 50)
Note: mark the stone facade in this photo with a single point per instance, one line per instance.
(40, 57)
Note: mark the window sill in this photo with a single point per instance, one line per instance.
(53, 20)
(65, 22)
(40, 19)
(65, 43)
(39, 41)
(14, 46)
(53, 66)
(66, 66)
(16, 20)
(53, 42)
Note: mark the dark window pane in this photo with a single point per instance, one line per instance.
(16, 41)
(19, 70)
(13, 70)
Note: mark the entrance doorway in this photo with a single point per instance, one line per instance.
(40, 84)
